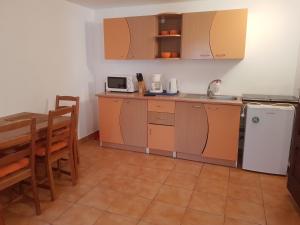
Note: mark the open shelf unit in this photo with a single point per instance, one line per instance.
(170, 42)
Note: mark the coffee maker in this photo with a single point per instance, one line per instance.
(156, 85)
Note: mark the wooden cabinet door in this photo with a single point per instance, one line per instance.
(195, 35)
(228, 34)
(161, 137)
(109, 120)
(191, 128)
(116, 38)
(142, 37)
(223, 135)
(133, 122)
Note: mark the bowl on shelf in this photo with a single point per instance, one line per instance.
(165, 55)
(164, 32)
(173, 32)
(174, 55)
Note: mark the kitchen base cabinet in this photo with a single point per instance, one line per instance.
(223, 136)
(123, 122)
(161, 137)
(109, 120)
(191, 128)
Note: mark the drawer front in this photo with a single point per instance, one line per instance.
(161, 118)
(161, 106)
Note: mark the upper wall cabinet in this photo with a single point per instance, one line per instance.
(130, 38)
(199, 35)
(219, 34)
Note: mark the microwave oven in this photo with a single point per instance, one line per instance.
(121, 83)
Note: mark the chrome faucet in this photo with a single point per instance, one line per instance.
(212, 88)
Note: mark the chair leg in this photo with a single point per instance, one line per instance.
(35, 195)
(50, 180)
(73, 166)
(76, 147)
(58, 168)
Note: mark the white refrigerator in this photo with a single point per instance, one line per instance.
(268, 135)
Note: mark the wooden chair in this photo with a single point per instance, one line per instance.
(59, 103)
(60, 135)
(19, 165)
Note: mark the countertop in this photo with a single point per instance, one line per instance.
(179, 97)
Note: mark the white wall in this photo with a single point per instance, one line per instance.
(297, 79)
(269, 66)
(43, 53)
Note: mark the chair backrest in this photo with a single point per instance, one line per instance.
(22, 141)
(61, 127)
(59, 103)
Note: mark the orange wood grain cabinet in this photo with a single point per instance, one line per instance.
(116, 38)
(130, 38)
(109, 120)
(123, 121)
(223, 136)
(196, 35)
(133, 122)
(161, 137)
(191, 128)
(216, 34)
(228, 34)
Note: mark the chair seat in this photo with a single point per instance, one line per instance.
(41, 151)
(13, 167)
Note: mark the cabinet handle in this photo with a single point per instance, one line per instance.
(116, 100)
(158, 106)
(221, 55)
(197, 106)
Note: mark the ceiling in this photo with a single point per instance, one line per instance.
(96, 4)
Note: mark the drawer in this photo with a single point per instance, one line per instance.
(161, 106)
(161, 118)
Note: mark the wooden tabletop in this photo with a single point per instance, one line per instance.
(41, 126)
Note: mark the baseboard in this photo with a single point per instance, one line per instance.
(92, 136)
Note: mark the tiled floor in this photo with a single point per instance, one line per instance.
(125, 188)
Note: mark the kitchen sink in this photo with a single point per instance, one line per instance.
(216, 97)
(223, 97)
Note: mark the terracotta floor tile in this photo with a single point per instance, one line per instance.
(249, 194)
(152, 174)
(214, 172)
(208, 202)
(119, 183)
(185, 166)
(174, 196)
(79, 215)
(244, 178)
(72, 193)
(230, 221)
(194, 217)
(281, 200)
(129, 205)
(245, 211)
(214, 186)
(277, 216)
(114, 219)
(99, 198)
(163, 214)
(127, 170)
(52, 210)
(163, 163)
(14, 219)
(181, 180)
(147, 189)
(273, 183)
(23, 208)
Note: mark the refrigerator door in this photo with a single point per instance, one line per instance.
(268, 138)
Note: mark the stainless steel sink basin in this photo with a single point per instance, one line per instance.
(216, 97)
(193, 96)
(224, 97)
